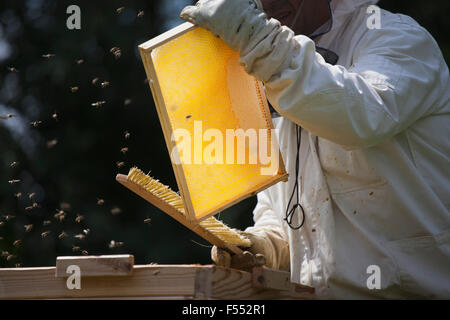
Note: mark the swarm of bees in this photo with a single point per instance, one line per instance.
(62, 213)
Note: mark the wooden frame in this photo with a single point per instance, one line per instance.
(146, 54)
(154, 282)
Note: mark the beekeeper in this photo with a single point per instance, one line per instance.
(364, 133)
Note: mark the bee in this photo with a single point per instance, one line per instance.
(36, 123)
(5, 253)
(100, 202)
(148, 220)
(29, 208)
(120, 164)
(189, 116)
(95, 81)
(60, 215)
(79, 236)
(76, 249)
(9, 218)
(127, 102)
(2, 223)
(98, 104)
(87, 231)
(113, 244)
(12, 69)
(55, 116)
(74, 89)
(79, 218)
(116, 52)
(10, 257)
(127, 135)
(63, 235)
(85, 253)
(48, 55)
(31, 195)
(18, 195)
(17, 243)
(28, 227)
(45, 234)
(13, 181)
(104, 84)
(51, 144)
(81, 61)
(18, 265)
(14, 164)
(124, 150)
(119, 10)
(46, 223)
(141, 14)
(65, 206)
(115, 211)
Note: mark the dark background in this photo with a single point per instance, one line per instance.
(80, 169)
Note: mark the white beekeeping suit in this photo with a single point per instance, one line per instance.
(374, 176)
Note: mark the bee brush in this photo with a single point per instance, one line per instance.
(161, 196)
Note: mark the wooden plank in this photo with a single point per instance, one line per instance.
(175, 214)
(264, 278)
(146, 282)
(95, 266)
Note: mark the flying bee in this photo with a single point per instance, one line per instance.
(5, 253)
(60, 215)
(189, 116)
(9, 218)
(17, 243)
(18, 265)
(10, 257)
(12, 69)
(127, 102)
(79, 236)
(45, 234)
(74, 89)
(127, 135)
(116, 52)
(100, 202)
(116, 211)
(51, 144)
(119, 10)
(85, 253)
(120, 164)
(95, 81)
(63, 235)
(124, 150)
(28, 227)
(104, 84)
(14, 164)
(141, 14)
(87, 231)
(31, 195)
(76, 248)
(2, 223)
(29, 208)
(113, 244)
(10, 115)
(48, 55)
(55, 116)
(80, 61)
(79, 218)
(36, 123)
(13, 181)
(148, 220)
(98, 104)
(46, 223)
(18, 195)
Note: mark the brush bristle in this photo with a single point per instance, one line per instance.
(216, 227)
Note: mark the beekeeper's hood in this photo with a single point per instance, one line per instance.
(340, 9)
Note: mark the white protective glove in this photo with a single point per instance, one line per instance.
(261, 253)
(244, 27)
